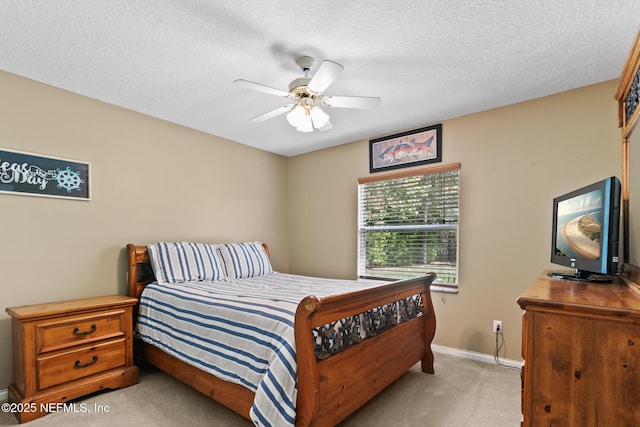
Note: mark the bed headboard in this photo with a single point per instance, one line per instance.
(140, 273)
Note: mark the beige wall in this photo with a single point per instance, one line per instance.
(150, 181)
(515, 160)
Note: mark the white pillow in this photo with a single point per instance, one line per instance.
(247, 259)
(185, 262)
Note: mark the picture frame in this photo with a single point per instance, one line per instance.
(411, 148)
(31, 174)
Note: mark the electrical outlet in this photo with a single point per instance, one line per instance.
(497, 326)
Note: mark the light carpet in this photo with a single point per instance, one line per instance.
(462, 393)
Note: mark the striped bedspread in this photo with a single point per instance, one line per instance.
(240, 330)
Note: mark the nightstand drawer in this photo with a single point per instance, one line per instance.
(78, 330)
(68, 366)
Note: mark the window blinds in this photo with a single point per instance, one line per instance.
(408, 225)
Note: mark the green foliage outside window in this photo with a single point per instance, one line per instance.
(409, 226)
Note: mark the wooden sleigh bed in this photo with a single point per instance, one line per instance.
(334, 386)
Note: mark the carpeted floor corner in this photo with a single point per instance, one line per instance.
(462, 393)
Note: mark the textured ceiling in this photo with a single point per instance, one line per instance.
(428, 60)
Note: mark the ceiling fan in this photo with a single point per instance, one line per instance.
(305, 112)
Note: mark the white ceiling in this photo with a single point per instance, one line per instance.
(428, 60)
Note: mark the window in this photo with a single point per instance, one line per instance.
(408, 225)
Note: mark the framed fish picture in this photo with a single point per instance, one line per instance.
(411, 148)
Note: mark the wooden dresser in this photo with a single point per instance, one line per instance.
(65, 350)
(581, 346)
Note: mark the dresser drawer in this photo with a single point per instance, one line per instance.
(67, 366)
(78, 330)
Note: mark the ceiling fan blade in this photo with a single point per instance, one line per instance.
(273, 113)
(326, 74)
(364, 102)
(261, 88)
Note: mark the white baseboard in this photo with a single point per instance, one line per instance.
(4, 395)
(482, 357)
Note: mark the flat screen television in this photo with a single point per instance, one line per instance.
(585, 231)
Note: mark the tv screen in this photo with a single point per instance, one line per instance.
(585, 231)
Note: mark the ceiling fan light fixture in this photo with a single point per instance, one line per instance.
(319, 117)
(305, 116)
(296, 117)
(306, 125)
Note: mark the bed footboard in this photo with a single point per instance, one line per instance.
(331, 389)
(333, 384)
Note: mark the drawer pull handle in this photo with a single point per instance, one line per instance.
(76, 331)
(94, 359)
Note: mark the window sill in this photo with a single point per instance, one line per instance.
(443, 289)
(447, 289)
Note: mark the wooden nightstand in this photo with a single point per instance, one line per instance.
(65, 350)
